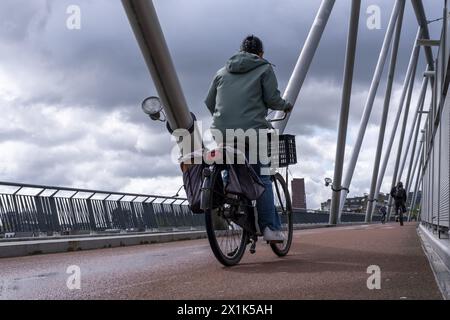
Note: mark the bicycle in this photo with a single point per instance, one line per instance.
(231, 220)
(383, 213)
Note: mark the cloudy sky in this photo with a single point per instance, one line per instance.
(70, 99)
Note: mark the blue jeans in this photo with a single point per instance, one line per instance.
(267, 213)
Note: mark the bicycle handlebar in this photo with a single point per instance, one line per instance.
(280, 119)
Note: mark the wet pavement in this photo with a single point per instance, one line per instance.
(329, 263)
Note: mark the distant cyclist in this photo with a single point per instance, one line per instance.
(399, 195)
(239, 98)
(382, 210)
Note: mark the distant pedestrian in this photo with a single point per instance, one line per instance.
(399, 195)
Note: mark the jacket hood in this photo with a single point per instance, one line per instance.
(244, 62)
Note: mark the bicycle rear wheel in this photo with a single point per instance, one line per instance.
(227, 240)
(283, 206)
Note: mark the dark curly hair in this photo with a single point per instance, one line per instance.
(252, 44)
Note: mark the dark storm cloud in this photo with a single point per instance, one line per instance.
(101, 65)
(18, 18)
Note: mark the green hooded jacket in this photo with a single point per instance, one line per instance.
(242, 92)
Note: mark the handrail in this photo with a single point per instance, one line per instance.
(46, 187)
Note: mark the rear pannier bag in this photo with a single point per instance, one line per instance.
(193, 179)
(244, 181)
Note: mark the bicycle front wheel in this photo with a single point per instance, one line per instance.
(283, 206)
(227, 240)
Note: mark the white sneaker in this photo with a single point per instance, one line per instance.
(273, 236)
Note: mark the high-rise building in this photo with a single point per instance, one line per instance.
(298, 194)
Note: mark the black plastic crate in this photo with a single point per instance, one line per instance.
(287, 151)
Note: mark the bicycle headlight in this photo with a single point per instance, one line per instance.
(152, 106)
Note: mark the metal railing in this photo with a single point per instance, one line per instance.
(36, 209)
(434, 174)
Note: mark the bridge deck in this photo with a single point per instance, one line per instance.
(326, 263)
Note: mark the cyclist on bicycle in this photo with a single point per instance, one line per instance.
(383, 213)
(239, 98)
(398, 193)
